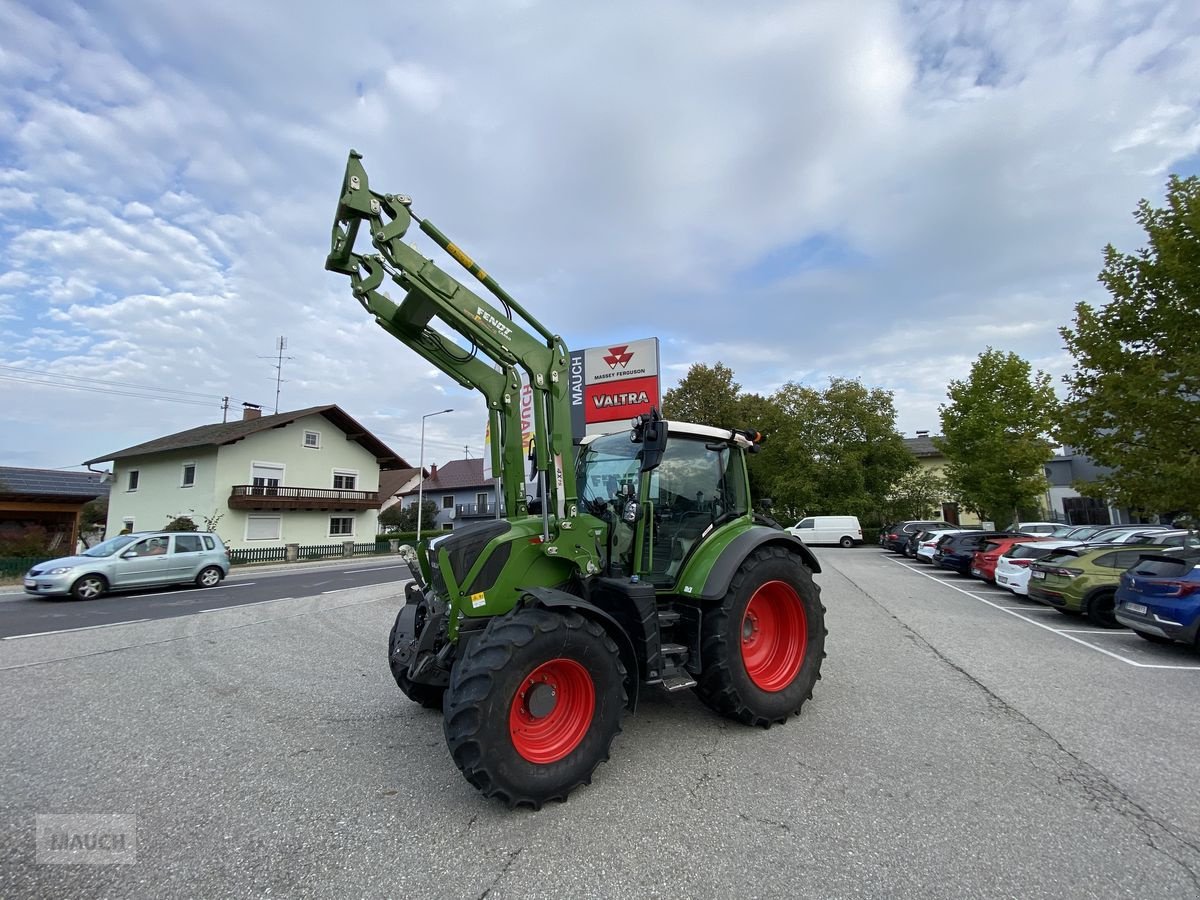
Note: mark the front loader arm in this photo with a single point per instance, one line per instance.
(431, 293)
(501, 387)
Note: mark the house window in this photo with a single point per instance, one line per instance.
(265, 477)
(341, 525)
(481, 502)
(127, 525)
(448, 501)
(344, 480)
(264, 528)
(312, 440)
(133, 480)
(189, 475)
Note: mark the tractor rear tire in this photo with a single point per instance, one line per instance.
(534, 705)
(762, 645)
(428, 695)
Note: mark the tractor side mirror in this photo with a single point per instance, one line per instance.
(650, 430)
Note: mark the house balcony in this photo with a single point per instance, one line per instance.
(475, 511)
(252, 496)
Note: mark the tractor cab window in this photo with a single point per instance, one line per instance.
(698, 485)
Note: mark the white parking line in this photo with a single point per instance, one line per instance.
(13, 637)
(1069, 637)
(1107, 632)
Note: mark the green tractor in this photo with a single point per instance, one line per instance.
(638, 560)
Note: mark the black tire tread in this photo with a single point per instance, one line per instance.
(427, 695)
(1104, 620)
(471, 684)
(715, 686)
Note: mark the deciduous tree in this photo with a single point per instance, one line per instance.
(996, 435)
(707, 395)
(1134, 401)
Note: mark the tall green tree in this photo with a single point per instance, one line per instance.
(707, 395)
(918, 494)
(1134, 390)
(837, 450)
(996, 435)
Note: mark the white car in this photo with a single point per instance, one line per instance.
(928, 543)
(1012, 568)
(1045, 529)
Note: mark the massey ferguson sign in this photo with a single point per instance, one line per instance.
(613, 383)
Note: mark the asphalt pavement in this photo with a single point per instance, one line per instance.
(955, 748)
(24, 614)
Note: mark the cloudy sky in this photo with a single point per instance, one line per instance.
(877, 190)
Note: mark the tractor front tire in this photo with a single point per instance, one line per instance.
(763, 644)
(534, 705)
(428, 695)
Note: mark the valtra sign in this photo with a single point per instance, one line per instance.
(613, 383)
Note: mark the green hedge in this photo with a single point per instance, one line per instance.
(404, 537)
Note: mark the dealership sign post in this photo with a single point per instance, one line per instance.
(611, 384)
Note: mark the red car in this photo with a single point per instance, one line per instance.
(983, 563)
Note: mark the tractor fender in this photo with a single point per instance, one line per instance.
(742, 546)
(551, 598)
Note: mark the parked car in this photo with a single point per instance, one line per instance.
(1094, 532)
(1084, 579)
(1159, 597)
(1012, 568)
(926, 543)
(1174, 537)
(983, 563)
(1046, 528)
(897, 535)
(843, 530)
(1125, 534)
(955, 551)
(129, 561)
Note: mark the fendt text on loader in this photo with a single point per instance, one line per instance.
(638, 559)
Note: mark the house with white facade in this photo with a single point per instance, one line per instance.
(305, 477)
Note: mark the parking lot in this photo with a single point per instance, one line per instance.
(1118, 643)
(961, 744)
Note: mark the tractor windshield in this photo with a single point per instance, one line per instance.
(698, 484)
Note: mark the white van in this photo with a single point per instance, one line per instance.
(843, 530)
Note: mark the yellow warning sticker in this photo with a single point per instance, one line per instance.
(478, 600)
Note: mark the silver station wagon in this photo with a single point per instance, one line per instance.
(131, 561)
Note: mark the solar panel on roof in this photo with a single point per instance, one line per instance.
(48, 482)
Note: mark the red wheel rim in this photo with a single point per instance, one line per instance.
(774, 636)
(549, 737)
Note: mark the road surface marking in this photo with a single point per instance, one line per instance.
(1069, 637)
(13, 637)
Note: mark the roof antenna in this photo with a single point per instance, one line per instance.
(280, 346)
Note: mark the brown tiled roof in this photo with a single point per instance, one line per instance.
(390, 482)
(922, 446)
(455, 475)
(30, 483)
(232, 432)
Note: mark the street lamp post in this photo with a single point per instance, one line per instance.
(421, 471)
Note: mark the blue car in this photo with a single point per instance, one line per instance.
(1159, 598)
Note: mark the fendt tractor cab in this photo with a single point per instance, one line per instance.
(643, 563)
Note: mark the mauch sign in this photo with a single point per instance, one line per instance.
(618, 382)
(608, 386)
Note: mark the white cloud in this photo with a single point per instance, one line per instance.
(170, 178)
